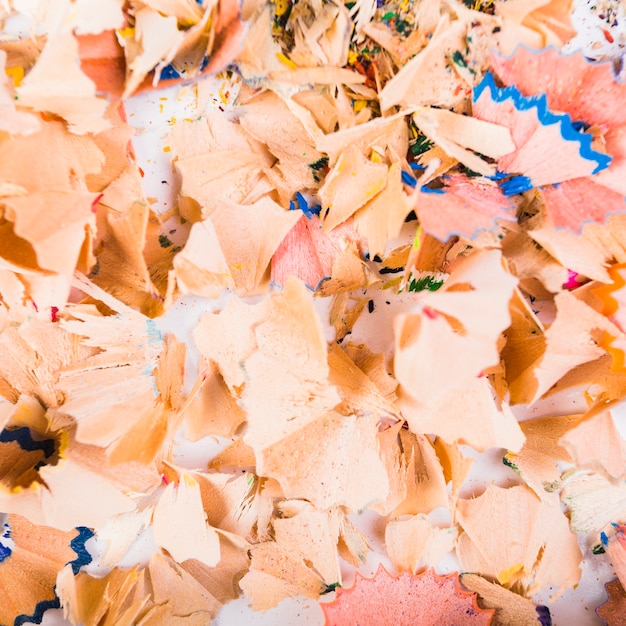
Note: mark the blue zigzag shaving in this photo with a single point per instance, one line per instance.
(37, 615)
(570, 131)
(23, 437)
(5, 551)
(82, 558)
(78, 545)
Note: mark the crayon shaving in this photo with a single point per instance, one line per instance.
(405, 226)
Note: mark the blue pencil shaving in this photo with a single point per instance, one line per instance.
(543, 615)
(515, 185)
(302, 203)
(154, 334)
(498, 176)
(155, 390)
(408, 179)
(570, 131)
(5, 550)
(22, 436)
(83, 557)
(37, 616)
(431, 190)
(169, 72)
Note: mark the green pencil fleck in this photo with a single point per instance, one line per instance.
(424, 283)
(457, 57)
(330, 588)
(510, 464)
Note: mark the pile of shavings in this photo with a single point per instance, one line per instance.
(441, 156)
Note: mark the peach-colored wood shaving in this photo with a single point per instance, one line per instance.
(276, 573)
(30, 568)
(414, 542)
(560, 355)
(380, 219)
(18, 122)
(482, 205)
(331, 473)
(91, 600)
(237, 454)
(293, 148)
(213, 177)
(359, 393)
(231, 503)
(593, 502)
(201, 268)
(596, 444)
(537, 461)
(353, 182)
(124, 225)
(57, 85)
(544, 552)
(210, 407)
(238, 229)
(179, 525)
(533, 265)
(447, 342)
(301, 528)
(412, 85)
(511, 609)
(425, 482)
(285, 359)
(382, 133)
(177, 594)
